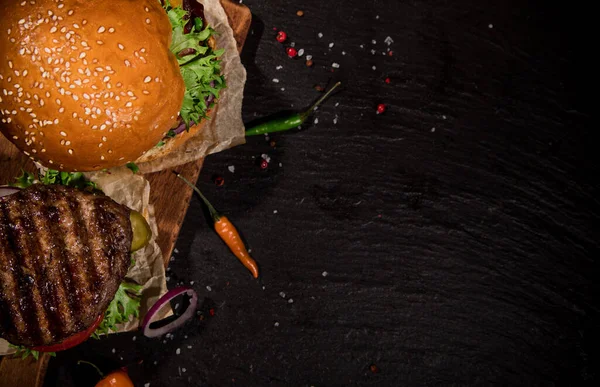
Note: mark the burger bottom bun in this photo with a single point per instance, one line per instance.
(173, 144)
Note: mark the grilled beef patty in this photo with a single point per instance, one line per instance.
(63, 254)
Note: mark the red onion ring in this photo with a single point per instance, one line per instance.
(6, 190)
(158, 305)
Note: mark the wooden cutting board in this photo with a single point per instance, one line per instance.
(169, 211)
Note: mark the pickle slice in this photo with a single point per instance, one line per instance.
(141, 231)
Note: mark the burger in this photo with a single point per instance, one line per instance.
(65, 248)
(91, 85)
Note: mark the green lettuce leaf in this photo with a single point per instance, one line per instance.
(51, 176)
(198, 70)
(125, 305)
(24, 352)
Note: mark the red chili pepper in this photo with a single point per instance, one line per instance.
(281, 36)
(219, 181)
(380, 108)
(264, 164)
(291, 52)
(388, 80)
(211, 311)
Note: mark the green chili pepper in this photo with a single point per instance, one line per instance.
(288, 122)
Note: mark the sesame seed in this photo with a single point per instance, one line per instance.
(70, 151)
(75, 25)
(147, 20)
(63, 134)
(99, 42)
(106, 79)
(84, 22)
(82, 55)
(121, 47)
(127, 63)
(111, 30)
(148, 79)
(101, 29)
(53, 29)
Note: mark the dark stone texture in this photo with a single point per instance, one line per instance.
(467, 255)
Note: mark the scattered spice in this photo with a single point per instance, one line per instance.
(273, 143)
(319, 88)
(211, 311)
(309, 63)
(374, 369)
(291, 52)
(281, 36)
(219, 181)
(300, 13)
(380, 108)
(388, 80)
(391, 53)
(228, 233)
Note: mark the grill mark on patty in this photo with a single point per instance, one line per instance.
(57, 302)
(33, 263)
(9, 277)
(81, 236)
(58, 252)
(76, 263)
(28, 312)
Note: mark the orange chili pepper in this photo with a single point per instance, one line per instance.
(228, 233)
(118, 378)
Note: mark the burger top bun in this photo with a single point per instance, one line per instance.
(87, 85)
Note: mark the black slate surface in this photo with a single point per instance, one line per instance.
(451, 240)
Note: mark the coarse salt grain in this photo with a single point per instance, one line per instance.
(324, 274)
(374, 67)
(148, 384)
(320, 35)
(388, 40)
(335, 65)
(175, 250)
(490, 26)
(335, 120)
(231, 168)
(275, 80)
(316, 121)
(432, 130)
(308, 57)
(282, 294)
(178, 351)
(373, 41)
(343, 52)
(301, 52)
(274, 211)
(373, 52)
(208, 288)
(276, 324)
(331, 45)
(279, 67)
(291, 301)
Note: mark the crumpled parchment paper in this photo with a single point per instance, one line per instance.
(224, 131)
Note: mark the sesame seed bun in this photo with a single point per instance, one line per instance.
(87, 85)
